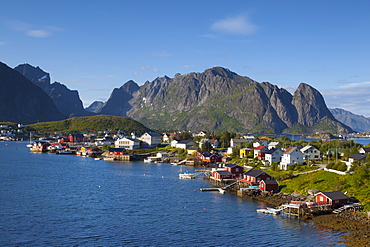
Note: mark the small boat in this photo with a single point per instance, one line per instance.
(174, 164)
(186, 175)
(148, 160)
(274, 211)
(64, 152)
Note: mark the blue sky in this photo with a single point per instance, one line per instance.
(95, 46)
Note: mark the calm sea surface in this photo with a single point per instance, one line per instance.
(63, 200)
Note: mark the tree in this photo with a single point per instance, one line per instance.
(206, 146)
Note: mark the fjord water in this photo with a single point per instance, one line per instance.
(67, 200)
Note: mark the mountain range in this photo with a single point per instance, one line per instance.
(21, 101)
(215, 100)
(67, 101)
(356, 122)
(219, 99)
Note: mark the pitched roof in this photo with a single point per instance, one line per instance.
(254, 172)
(358, 156)
(290, 150)
(223, 172)
(259, 148)
(366, 149)
(306, 148)
(271, 181)
(335, 195)
(271, 151)
(153, 134)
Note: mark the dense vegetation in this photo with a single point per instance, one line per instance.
(97, 123)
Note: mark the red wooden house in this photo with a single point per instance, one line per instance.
(40, 146)
(334, 198)
(254, 177)
(234, 169)
(208, 156)
(222, 174)
(269, 185)
(117, 151)
(76, 138)
(259, 152)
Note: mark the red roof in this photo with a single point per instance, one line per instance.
(259, 148)
(288, 150)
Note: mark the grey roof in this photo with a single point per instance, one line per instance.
(272, 181)
(223, 172)
(335, 195)
(271, 151)
(358, 156)
(253, 172)
(153, 134)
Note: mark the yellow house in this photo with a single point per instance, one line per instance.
(244, 152)
(193, 151)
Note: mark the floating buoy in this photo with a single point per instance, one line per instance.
(184, 207)
(204, 208)
(99, 186)
(162, 176)
(144, 175)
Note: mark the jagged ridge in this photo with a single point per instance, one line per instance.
(219, 99)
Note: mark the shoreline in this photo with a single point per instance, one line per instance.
(355, 226)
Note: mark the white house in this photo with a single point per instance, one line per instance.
(310, 153)
(272, 145)
(202, 133)
(260, 143)
(274, 154)
(249, 138)
(213, 142)
(127, 143)
(184, 144)
(235, 141)
(364, 150)
(291, 156)
(165, 138)
(150, 139)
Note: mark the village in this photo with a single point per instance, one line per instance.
(244, 179)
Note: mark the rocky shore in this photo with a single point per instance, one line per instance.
(355, 224)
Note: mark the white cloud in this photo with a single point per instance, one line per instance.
(353, 99)
(32, 30)
(235, 25)
(355, 84)
(38, 33)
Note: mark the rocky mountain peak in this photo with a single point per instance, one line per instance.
(310, 105)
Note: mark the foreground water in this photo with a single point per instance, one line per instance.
(62, 200)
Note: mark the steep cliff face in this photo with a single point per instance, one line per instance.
(118, 102)
(21, 101)
(310, 105)
(219, 99)
(67, 101)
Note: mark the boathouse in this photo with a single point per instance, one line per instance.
(334, 198)
(269, 185)
(254, 176)
(221, 175)
(117, 151)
